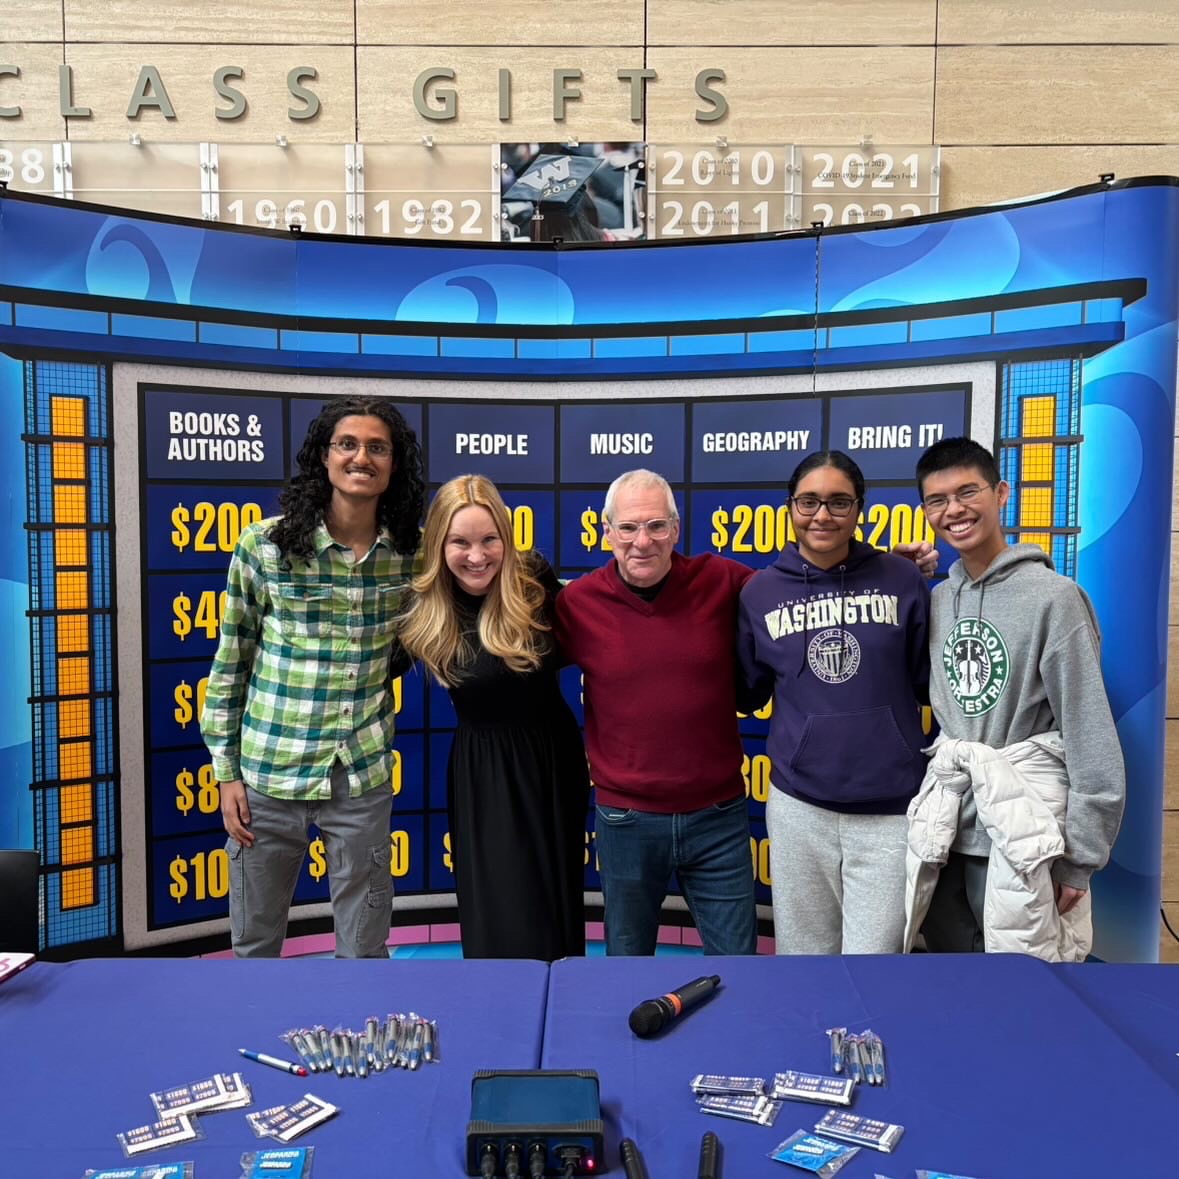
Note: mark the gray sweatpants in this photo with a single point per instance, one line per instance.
(838, 880)
(262, 878)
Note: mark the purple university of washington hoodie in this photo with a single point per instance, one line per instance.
(845, 652)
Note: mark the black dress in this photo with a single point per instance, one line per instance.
(517, 796)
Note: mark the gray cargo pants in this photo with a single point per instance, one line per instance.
(262, 878)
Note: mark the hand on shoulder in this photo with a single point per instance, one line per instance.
(921, 553)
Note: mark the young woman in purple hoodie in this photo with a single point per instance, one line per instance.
(837, 631)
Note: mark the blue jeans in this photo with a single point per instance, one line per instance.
(708, 850)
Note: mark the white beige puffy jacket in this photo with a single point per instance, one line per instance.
(1021, 793)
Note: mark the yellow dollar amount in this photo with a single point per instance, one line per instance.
(203, 792)
(209, 877)
(523, 527)
(765, 528)
(762, 713)
(889, 526)
(447, 859)
(748, 529)
(756, 772)
(760, 850)
(399, 856)
(591, 838)
(318, 865)
(211, 528)
(184, 695)
(593, 532)
(210, 609)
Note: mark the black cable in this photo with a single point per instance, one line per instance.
(488, 1161)
(538, 1156)
(512, 1161)
(1170, 930)
(632, 1161)
(709, 1148)
(571, 1156)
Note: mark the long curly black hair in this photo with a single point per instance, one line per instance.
(305, 498)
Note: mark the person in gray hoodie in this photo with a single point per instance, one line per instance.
(1015, 652)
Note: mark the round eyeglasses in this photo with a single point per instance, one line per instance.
(350, 446)
(628, 530)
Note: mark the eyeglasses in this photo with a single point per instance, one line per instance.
(936, 504)
(349, 446)
(837, 505)
(628, 530)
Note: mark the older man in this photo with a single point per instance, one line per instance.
(653, 632)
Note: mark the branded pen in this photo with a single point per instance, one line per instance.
(415, 1047)
(274, 1062)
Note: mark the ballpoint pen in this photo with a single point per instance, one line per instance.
(273, 1061)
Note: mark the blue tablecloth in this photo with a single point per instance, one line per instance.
(1140, 1004)
(84, 1044)
(996, 1067)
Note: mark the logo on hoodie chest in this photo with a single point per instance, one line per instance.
(834, 656)
(974, 658)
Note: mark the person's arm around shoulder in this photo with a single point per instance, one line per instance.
(755, 681)
(229, 679)
(1071, 669)
(565, 607)
(401, 660)
(917, 639)
(921, 553)
(538, 566)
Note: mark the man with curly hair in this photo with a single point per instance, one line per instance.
(299, 711)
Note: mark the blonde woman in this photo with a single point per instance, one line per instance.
(478, 618)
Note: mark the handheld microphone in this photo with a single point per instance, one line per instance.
(650, 1016)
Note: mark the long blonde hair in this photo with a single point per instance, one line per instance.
(511, 625)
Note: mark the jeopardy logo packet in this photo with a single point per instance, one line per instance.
(287, 1163)
(809, 1152)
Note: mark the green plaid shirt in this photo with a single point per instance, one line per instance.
(302, 672)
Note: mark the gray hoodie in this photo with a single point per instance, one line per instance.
(1017, 653)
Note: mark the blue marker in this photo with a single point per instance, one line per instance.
(274, 1062)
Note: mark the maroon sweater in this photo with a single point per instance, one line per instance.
(660, 683)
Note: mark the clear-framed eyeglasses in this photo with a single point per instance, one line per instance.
(657, 529)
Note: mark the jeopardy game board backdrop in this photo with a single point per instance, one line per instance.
(160, 374)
